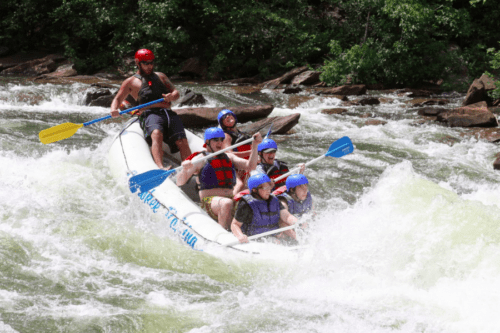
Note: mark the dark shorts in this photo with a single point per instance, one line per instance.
(165, 120)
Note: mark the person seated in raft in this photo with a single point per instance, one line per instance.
(260, 211)
(227, 121)
(270, 165)
(217, 175)
(295, 196)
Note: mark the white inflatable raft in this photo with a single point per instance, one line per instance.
(178, 207)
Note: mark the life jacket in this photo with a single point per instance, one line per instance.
(266, 215)
(190, 157)
(279, 190)
(275, 170)
(240, 195)
(152, 88)
(295, 207)
(237, 137)
(218, 172)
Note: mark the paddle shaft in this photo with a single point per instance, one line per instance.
(272, 232)
(124, 111)
(277, 179)
(216, 153)
(308, 163)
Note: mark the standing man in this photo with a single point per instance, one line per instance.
(159, 122)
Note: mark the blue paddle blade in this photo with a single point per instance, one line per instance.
(148, 180)
(341, 147)
(269, 131)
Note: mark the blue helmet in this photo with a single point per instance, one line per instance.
(296, 180)
(214, 132)
(267, 144)
(256, 180)
(223, 114)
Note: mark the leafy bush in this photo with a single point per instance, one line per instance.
(387, 41)
(495, 64)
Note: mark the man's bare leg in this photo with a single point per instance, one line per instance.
(223, 208)
(156, 147)
(184, 149)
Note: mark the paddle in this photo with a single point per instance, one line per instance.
(153, 178)
(339, 148)
(64, 131)
(269, 131)
(272, 232)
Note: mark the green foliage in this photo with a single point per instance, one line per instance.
(407, 44)
(495, 64)
(395, 42)
(359, 64)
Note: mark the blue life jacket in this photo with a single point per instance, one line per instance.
(266, 215)
(295, 207)
(218, 172)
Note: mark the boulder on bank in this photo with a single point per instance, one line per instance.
(430, 112)
(285, 78)
(206, 117)
(242, 81)
(306, 78)
(65, 70)
(281, 125)
(35, 67)
(355, 89)
(191, 98)
(92, 95)
(478, 91)
(414, 93)
(419, 102)
(474, 115)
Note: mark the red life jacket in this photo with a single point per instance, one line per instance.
(279, 190)
(190, 157)
(238, 196)
(218, 172)
(275, 170)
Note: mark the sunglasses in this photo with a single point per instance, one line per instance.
(147, 63)
(266, 188)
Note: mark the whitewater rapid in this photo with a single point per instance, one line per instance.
(406, 236)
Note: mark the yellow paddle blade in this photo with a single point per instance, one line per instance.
(59, 132)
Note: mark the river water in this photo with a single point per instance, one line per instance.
(406, 237)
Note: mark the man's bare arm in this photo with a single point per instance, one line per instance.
(125, 89)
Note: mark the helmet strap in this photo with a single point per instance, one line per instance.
(209, 148)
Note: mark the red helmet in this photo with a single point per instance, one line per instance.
(144, 55)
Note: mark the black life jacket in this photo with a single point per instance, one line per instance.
(275, 170)
(237, 137)
(152, 88)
